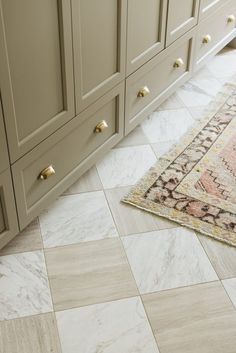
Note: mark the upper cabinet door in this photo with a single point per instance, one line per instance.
(182, 16)
(209, 6)
(99, 39)
(4, 162)
(146, 31)
(36, 70)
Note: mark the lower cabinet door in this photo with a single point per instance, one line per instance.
(8, 218)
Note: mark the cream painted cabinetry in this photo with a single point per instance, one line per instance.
(78, 75)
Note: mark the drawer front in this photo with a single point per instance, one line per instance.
(36, 70)
(148, 87)
(99, 40)
(207, 7)
(4, 161)
(70, 151)
(8, 218)
(215, 31)
(180, 18)
(146, 31)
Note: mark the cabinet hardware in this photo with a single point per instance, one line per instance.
(101, 126)
(231, 19)
(206, 39)
(143, 92)
(46, 173)
(179, 63)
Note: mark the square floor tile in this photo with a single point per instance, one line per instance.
(197, 319)
(160, 148)
(124, 166)
(200, 90)
(28, 240)
(167, 125)
(77, 218)
(222, 256)
(89, 273)
(173, 102)
(230, 286)
(116, 327)
(87, 182)
(35, 334)
(135, 137)
(223, 64)
(24, 288)
(167, 259)
(131, 220)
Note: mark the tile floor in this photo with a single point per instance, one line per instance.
(94, 275)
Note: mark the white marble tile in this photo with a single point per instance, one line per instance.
(200, 90)
(87, 182)
(77, 218)
(124, 166)
(134, 138)
(114, 327)
(167, 259)
(167, 125)
(24, 288)
(223, 64)
(160, 148)
(198, 112)
(173, 102)
(230, 287)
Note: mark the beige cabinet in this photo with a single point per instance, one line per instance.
(146, 31)
(35, 70)
(99, 39)
(8, 217)
(207, 7)
(4, 162)
(180, 18)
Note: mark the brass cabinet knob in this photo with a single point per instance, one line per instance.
(46, 173)
(101, 126)
(206, 39)
(179, 63)
(231, 19)
(143, 92)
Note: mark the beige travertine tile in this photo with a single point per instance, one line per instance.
(230, 287)
(222, 256)
(35, 334)
(198, 319)
(87, 182)
(130, 219)
(89, 273)
(27, 240)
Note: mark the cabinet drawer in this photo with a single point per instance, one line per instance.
(4, 161)
(158, 77)
(181, 18)
(215, 32)
(70, 151)
(8, 218)
(207, 7)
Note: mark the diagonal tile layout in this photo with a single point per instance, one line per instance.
(89, 273)
(197, 319)
(24, 287)
(77, 218)
(116, 327)
(167, 259)
(230, 287)
(87, 182)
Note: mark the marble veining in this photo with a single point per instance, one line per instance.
(24, 288)
(167, 259)
(230, 287)
(115, 327)
(124, 166)
(77, 218)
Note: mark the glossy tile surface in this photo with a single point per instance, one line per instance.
(116, 327)
(89, 273)
(77, 218)
(134, 138)
(24, 287)
(167, 259)
(88, 182)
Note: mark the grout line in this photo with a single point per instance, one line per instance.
(228, 295)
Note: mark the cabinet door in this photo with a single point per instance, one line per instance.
(4, 162)
(35, 70)
(181, 18)
(99, 39)
(146, 31)
(8, 218)
(209, 6)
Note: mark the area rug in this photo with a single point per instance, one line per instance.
(195, 183)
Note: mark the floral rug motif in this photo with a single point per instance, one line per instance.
(195, 183)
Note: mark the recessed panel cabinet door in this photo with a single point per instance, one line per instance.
(4, 162)
(146, 31)
(182, 16)
(209, 6)
(36, 70)
(99, 39)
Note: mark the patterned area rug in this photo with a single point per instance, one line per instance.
(195, 183)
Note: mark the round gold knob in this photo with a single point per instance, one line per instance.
(101, 126)
(179, 63)
(143, 92)
(231, 19)
(206, 39)
(46, 173)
